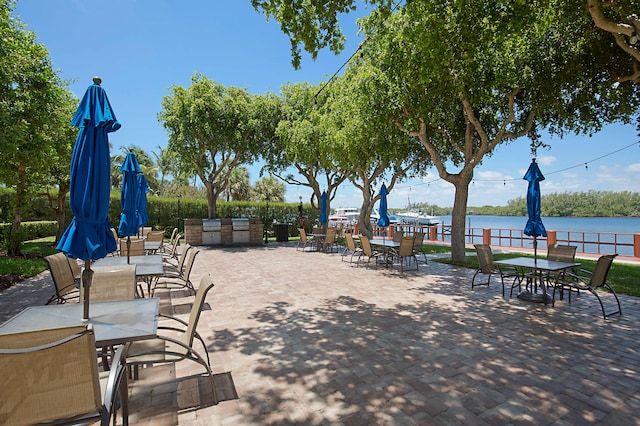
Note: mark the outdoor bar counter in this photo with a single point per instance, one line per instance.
(223, 231)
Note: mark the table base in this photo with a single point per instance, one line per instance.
(530, 296)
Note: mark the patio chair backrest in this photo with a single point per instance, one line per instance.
(173, 234)
(303, 235)
(561, 253)
(48, 374)
(406, 246)
(365, 243)
(183, 256)
(330, 236)
(418, 240)
(132, 247)
(205, 285)
(175, 240)
(112, 283)
(485, 258)
(155, 236)
(191, 258)
(397, 236)
(351, 245)
(61, 273)
(600, 272)
(75, 267)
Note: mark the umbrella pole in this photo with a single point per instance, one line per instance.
(128, 249)
(87, 278)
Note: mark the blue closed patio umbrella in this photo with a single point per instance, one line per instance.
(383, 220)
(88, 236)
(323, 208)
(143, 188)
(534, 227)
(129, 199)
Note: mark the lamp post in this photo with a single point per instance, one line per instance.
(300, 220)
(179, 197)
(266, 219)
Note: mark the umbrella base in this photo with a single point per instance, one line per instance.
(530, 296)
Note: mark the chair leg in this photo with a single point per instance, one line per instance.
(604, 313)
(473, 284)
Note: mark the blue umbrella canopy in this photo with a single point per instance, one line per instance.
(88, 236)
(383, 220)
(143, 188)
(323, 207)
(534, 227)
(129, 196)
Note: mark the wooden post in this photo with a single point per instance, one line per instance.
(551, 238)
(486, 236)
(636, 245)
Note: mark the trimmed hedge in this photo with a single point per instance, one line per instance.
(163, 213)
(29, 230)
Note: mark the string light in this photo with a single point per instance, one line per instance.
(586, 165)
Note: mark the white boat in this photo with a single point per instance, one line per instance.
(417, 218)
(348, 214)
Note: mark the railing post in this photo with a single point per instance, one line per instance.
(433, 233)
(551, 238)
(636, 245)
(486, 236)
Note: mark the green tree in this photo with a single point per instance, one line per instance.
(57, 174)
(364, 145)
(463, 99)
(165, 162)
(620, 19)
(469, 76)
(301, 144)
(214, 129)
(29, 91)
(268, 187)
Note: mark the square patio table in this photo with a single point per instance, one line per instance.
(114, 322)
(541, 269)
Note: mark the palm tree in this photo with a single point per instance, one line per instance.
(268, 187)
(238, 186)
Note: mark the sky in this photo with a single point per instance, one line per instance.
(141, 48)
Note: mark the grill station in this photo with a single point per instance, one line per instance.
(240, 228)
(211, 231)
(223, 231)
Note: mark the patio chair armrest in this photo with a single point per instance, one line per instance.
(190, 353)
(171, 317)
(117, 381)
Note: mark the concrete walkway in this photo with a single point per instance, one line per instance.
(304, 338)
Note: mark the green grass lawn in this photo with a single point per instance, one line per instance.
(32, 263)
(624, 278)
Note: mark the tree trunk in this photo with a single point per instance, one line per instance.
(364, 221)
(458, 216)
(212, 205)
(60, 212)
(15, 239)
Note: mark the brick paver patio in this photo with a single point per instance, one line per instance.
(303, 338)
